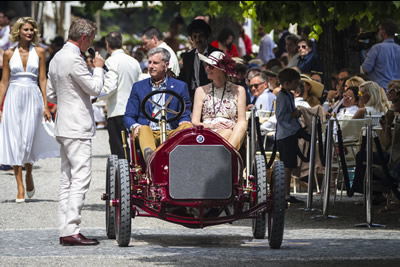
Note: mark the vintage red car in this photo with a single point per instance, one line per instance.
(195, 178)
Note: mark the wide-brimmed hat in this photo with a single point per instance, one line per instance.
(316, 87)
(273, 71)
(220, 61)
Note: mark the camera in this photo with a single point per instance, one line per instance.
(363, 41)
(397, 39)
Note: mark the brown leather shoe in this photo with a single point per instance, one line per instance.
(78, 240)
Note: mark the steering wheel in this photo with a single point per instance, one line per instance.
(148, 98)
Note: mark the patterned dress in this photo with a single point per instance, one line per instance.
(220, 105)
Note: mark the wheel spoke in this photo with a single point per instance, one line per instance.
(172, 111)
(154, 103)
(158, 113)
(169, 100)
(175, 115)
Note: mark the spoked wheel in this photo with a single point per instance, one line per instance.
(111, 175)
(276, 217)
(123, 209)
(260, 171)
(175, 115)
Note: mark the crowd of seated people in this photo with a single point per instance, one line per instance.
(236, 85)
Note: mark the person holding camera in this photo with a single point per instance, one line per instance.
(382, 63)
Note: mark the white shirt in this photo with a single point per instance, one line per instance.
(173, 61)
(346, 113)
(124, 71)
(5, 38)
(266, 49)
(265, 101)
(242, 47)
(299, 101)
(270, 125)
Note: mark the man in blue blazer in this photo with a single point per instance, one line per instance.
(146, 131)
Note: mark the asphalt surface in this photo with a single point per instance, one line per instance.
(29, 235)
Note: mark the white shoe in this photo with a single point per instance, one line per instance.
(19, 200)
(30, 193)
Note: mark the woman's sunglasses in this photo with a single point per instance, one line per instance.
(208, 65)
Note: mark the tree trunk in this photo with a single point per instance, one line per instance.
(335, 51)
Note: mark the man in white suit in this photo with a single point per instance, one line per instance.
(152, 37)
(124, 71)
(70, 85)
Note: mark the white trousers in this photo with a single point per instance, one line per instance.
(76, 174)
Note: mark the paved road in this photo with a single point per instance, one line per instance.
(29, 236)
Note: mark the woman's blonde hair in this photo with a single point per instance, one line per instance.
(17, 29)
(354, 81)
(384, 99)
(377, 99)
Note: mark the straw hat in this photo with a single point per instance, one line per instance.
(220, 61)
(316, 87)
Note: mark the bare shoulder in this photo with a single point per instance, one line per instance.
(236, 89)
(204, 89)
(39, 50)
(9, 52)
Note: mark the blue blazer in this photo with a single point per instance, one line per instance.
(140, 89)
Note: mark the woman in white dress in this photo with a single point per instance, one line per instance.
(24, 136)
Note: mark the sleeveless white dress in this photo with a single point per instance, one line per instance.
(25, 137)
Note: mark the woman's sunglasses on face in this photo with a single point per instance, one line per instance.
(348, 97)
(208, 65)
(391, 91)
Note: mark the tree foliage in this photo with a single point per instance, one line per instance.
(280, 13)
(333, 23)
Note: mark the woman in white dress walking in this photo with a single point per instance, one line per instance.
(23, 135)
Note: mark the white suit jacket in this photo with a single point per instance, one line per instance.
(70, 85)
(124, 71)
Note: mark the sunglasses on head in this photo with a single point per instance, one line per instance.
(302, 46)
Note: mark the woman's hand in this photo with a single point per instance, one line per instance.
(47, 114)
(223, 125)
(332, 94)
(389, 117)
